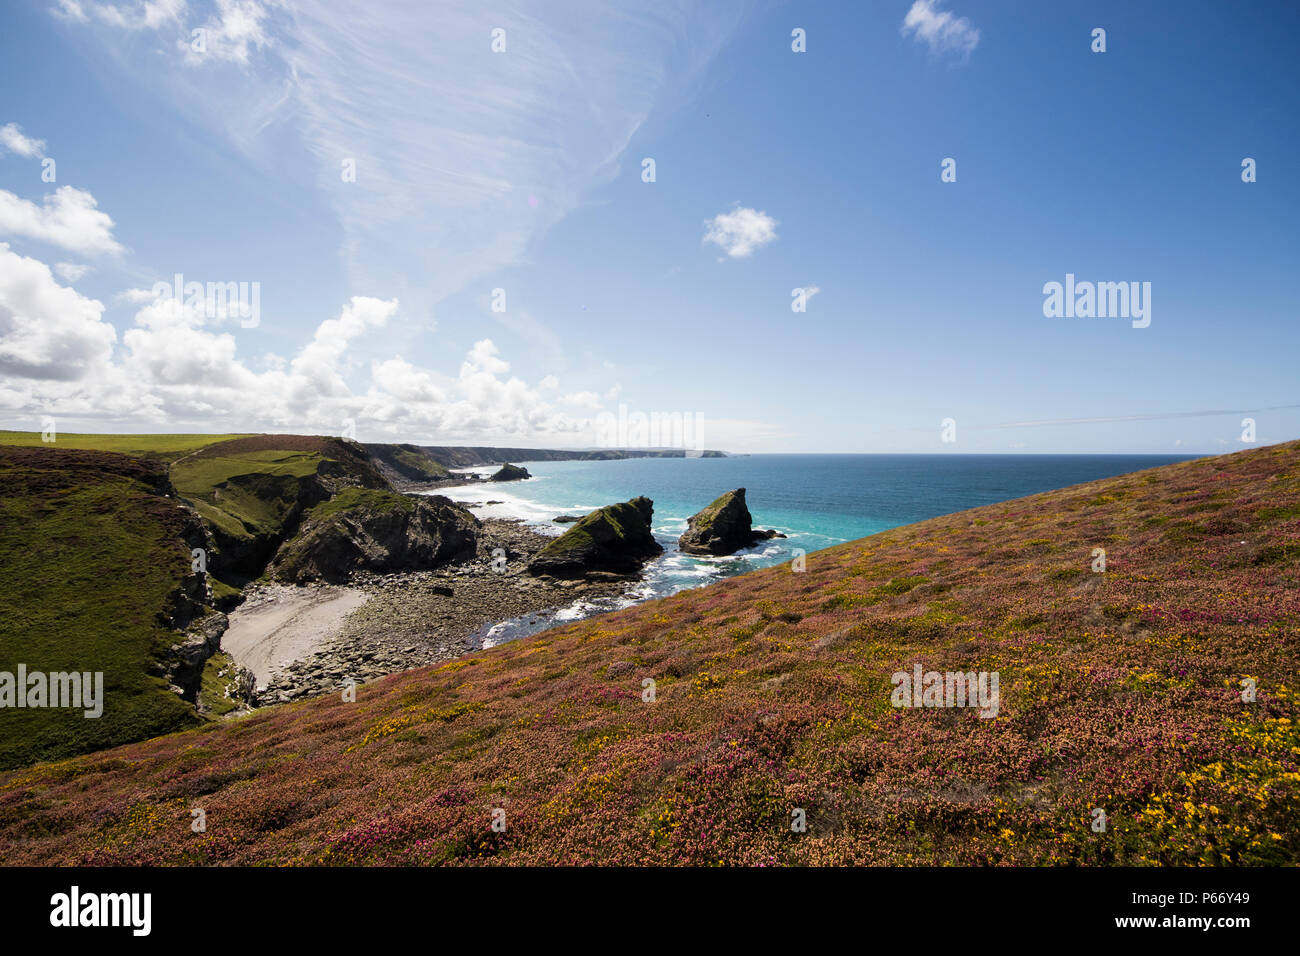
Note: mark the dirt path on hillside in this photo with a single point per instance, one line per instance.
(279, 625)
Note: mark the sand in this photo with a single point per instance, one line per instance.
(280, 625)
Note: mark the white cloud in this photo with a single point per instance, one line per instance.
(583, 400)
(71, 271)
(237, 27)
(317, 365)
(483, 357)
(940, 30)
(406, 383)
(13, 140)
(177, 369)
(68, 219)
(134, 296)
(47, 331)
(740, 231)
(170, 347)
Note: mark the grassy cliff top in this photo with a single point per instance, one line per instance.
(158, 447)
(250, 487)
(1120, 690)
(362, 499)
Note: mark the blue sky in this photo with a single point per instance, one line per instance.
(521, 170)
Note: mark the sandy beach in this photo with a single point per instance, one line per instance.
(278, 625)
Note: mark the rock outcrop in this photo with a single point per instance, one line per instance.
(510, 472)
(616, 539)
(724, 527)
(379, 531)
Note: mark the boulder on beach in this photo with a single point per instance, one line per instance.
(616, 538)
(509, 472)
(566, 519)
(724, 527)
(372, 530)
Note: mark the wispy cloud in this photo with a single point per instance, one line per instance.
(141, 15)
(740, 231)
(13, 141)
(940, 30)
(462, 155)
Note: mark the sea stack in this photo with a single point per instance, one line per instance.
(615, 538)
(510, 472)
(724, 527)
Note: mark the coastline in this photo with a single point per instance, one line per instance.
(321, 636)
(306, 640)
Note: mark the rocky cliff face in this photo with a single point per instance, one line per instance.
(373, 530)
(616, 538)
(724, 527)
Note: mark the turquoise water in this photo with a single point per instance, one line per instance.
(817, 500)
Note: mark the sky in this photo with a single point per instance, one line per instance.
(515, 223)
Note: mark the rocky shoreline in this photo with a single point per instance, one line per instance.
(414, 619)
(376, 582)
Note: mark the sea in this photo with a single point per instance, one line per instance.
(815, 500)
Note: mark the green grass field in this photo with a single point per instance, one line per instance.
(244, 495)
(89, 555)
(157, 447)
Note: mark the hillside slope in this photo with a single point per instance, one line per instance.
(406, 464)
(92, 557)
(1119, 691)
(96, 575)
